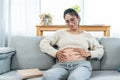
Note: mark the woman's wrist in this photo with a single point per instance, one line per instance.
(89, 55)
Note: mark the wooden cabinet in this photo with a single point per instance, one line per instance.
(94, 28)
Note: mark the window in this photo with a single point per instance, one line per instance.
(96, 12)
(24, 16)
(57, 7)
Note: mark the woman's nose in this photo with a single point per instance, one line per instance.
(70, 23)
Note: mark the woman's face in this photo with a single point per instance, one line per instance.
(71, 21)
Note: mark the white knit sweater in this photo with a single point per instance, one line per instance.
(64, 39)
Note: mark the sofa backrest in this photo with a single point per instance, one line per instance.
(95, 62)
(28, 54)
(111, 58)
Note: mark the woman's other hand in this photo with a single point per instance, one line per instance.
(83, 52)
(61, 56)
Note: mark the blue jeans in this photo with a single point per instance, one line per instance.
(77, 70)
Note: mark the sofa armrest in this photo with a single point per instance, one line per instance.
(5, 59)
(6, 50)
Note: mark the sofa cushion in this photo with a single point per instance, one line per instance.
(111, 58)
(97, 75)
(95, 64)
(105, 75)
(28, 54)
(11, 75)
(36, 78)
(5, 62)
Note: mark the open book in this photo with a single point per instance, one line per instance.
(29, 73)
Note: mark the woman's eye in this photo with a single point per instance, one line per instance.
(72, 19)
(67, 21)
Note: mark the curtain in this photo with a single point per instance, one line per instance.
(1, 23)
(25, 15)
(3, 37)
(18, 17)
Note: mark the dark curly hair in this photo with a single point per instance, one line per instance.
(71, 12)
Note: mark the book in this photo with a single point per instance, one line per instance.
(30, 73)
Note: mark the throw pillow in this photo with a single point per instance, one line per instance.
(5, 61)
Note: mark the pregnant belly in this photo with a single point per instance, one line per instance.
(72, 55)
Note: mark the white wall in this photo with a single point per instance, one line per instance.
(57, 7)
(103, 12)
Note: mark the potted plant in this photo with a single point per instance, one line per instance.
(46, 19)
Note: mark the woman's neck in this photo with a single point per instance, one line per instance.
(74, 31)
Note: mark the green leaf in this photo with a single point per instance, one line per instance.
(76, 8)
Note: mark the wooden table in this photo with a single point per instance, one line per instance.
(94, 28)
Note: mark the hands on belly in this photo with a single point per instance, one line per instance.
(69, 54)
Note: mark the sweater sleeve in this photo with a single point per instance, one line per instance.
(96, 49)
(46, 45)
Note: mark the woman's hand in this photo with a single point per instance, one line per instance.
(82, 52)
(61, 56)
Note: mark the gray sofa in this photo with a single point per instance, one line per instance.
(24, 53)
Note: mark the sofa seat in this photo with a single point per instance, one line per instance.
(97, 75)
(11, 75)
(106, 75)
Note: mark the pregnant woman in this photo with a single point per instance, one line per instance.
(74, 48)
